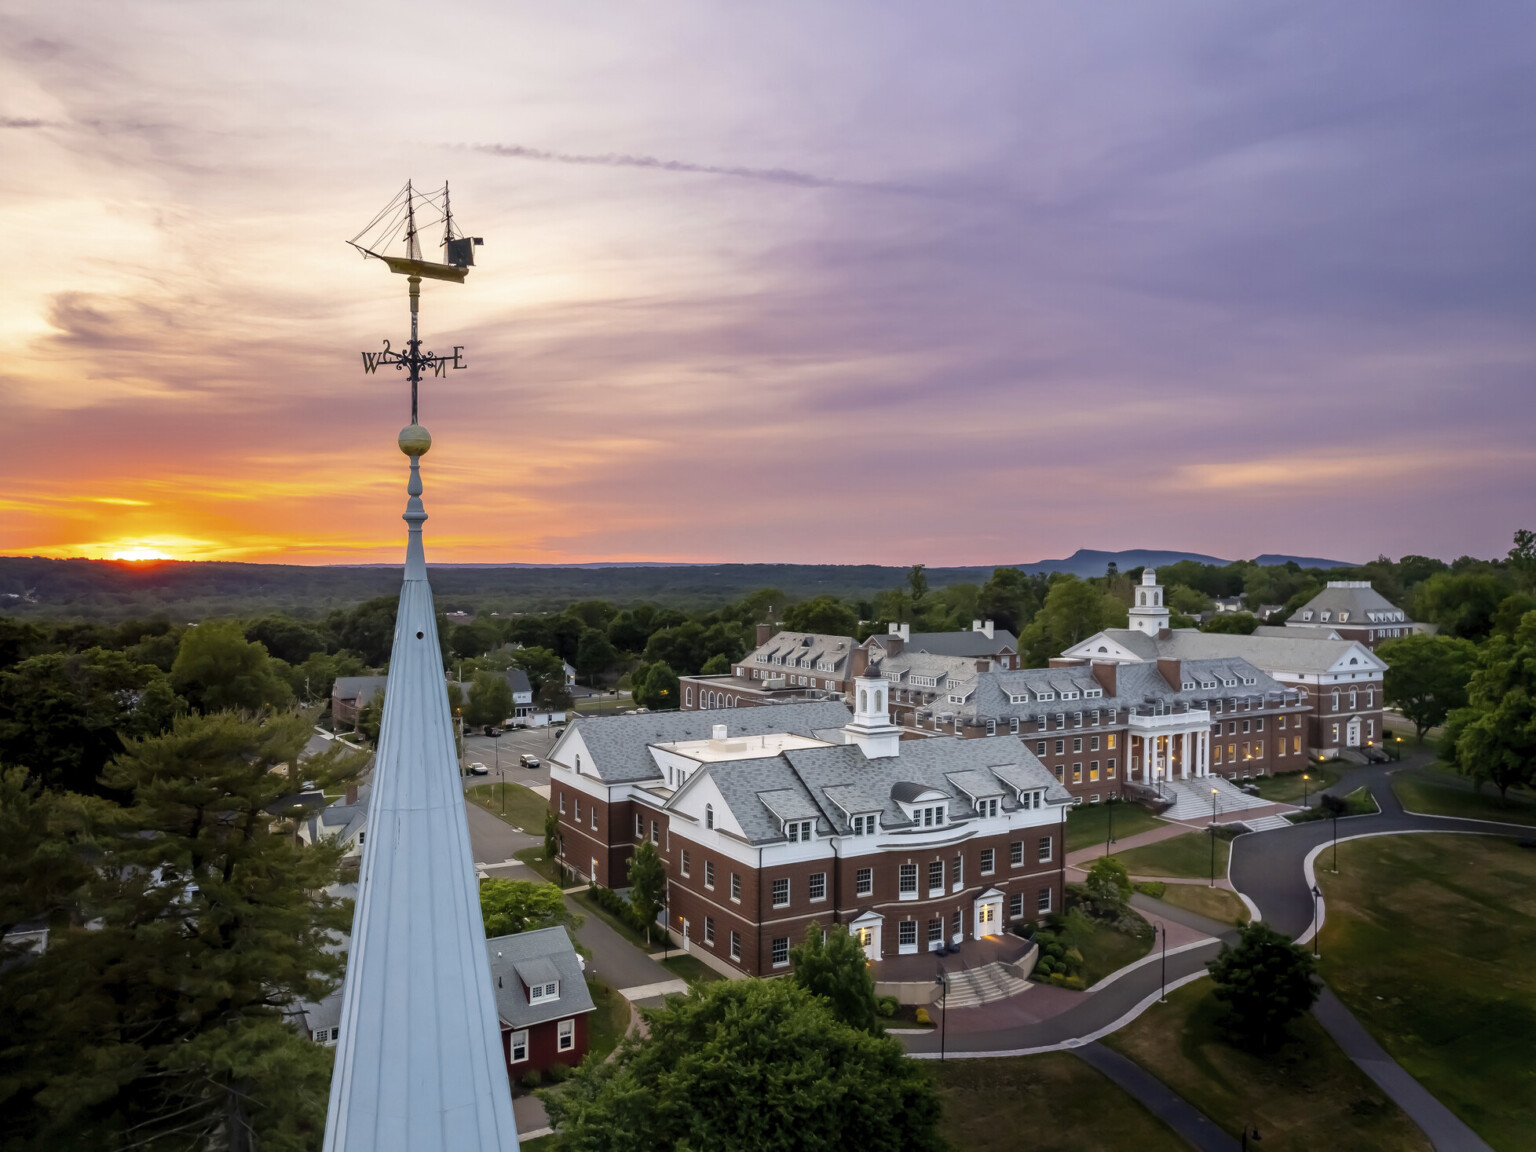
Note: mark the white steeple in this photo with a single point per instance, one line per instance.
(871, 728)
(419, 1065)
(1148, 614)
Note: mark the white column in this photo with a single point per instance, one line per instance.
(1184, 755)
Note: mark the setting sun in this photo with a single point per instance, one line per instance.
(139, 552)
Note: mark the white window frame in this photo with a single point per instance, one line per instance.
(864, 882)
(518, 1040)
(565, 1035)
(780, 885)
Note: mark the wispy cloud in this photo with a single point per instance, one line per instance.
(655, 163)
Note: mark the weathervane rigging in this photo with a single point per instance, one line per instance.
(397, 221)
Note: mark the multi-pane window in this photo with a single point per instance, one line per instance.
(906, 933)
(1110, 741)
(567, 1035)
(954, 922)
(736, 887)
(1016, 906)
(781, 892)
(683, 861)
(709, 873)
(639, 827)
(936, 931)
(1039, 747)
(864, 881)
(709, 929)
(780, 951)
(1093, 744)
(864, 825)
(988, 807)
(1045, 849)
(1016, 853)
(519, 1051)
(798, 830)
(576, 804)
(1043, 900)
(594, 816)
(906, 881)
(655, 832)
(959, 872)
(988, 856)
(935, 878)
(1109, 768)
(1013, 726)
(1061, 746)
(1077, 743)
(818, 886)
(1077, 772)
(562, 803)
(735, 945)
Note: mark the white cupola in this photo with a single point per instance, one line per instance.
(871, 728)
(1148, 613)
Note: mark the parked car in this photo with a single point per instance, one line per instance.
(492, 730)
(479, 769)
(530, 761)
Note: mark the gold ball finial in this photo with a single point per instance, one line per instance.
(415, 440)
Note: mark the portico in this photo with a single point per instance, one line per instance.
(1170, 745)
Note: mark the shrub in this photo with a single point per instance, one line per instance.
(887, 1006)
(532, 1079)
(923, 1017)
(1152, 888)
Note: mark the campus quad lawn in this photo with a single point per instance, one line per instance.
(1288, 787)
(1107, 950)
(1437, 794)
(1088, 824)
(534, 858)
(525, 808)
(1305, 1097)
(1217, 904)
(1187, 855)
(609, 1019)
(1428, 940)
(1052, 1102)
(686, 967)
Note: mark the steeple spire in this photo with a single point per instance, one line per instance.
(419, 1064)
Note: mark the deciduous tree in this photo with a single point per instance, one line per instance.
(1494, 737)
(218, 669)
(490, 699)
(1427, 677)
(510, 906)
(647, 883)
(1264, 983)
(749, 1065)
(830, 963)
(825, 614)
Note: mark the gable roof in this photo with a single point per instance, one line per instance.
(620, 745)
(1301, 653)
(547, 954)
(957, 643)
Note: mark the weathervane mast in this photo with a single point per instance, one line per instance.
(458, 258)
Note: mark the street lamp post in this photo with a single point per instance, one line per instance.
(1317, 894)
(1304, 779)
(1110, 836)
(496, 748)
(1335, 841)
(1213, 838)
(943, 982)
(1162, 992)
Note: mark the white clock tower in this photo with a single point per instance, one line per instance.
(1148, 613)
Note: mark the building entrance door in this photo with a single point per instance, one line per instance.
(1352, 733)
(685, 935)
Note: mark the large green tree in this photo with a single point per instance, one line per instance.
(542, 665)
(510, 906)
(824, 614)
(490, 699)
(830, 963)
(749, 1065)
(1494, 737)
(1264, 983)
(1461, 603)
(162, 1023)
(1074, 610)
(594, 654)
(655, 686)
(64, 715)
(218, 669)
(1010, 599)
(1427, 677)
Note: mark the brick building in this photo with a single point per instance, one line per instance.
(785, 667)
(764, 828)
(1352, 610)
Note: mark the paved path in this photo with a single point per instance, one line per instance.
(1173, 1110)
(1444, 1128)
(620, 963)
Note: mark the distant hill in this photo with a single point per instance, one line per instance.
(196, 590)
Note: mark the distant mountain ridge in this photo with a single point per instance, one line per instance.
(1088, 562)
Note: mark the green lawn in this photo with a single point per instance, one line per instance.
(1088, 824)
(1213, 903)
(524, 807)
(1288, 787)
(1306, 1097)
(1047, 1103)
(1186, 855)
(1421, 791)
(691, 969)
(1428, 941)
(609, 1020)
(1108, 950)
(534, 858)
(592, 908)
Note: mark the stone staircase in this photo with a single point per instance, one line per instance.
(970, 987)
(1192, 799)
(1266, 823)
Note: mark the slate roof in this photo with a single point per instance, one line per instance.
(955, 674)
(518, 680)
(1357, 598)
(972, 644)
(358, 688)
(805, 649)
(545, 949)
(620, 744)
(838, 781)
(1135, 684)
(1298, 653)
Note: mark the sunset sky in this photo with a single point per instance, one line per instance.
(821, 282)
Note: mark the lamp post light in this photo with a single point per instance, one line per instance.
(1109, 837)
(1317, 894)
(1213, 838)
(1304, 778)
(942, 981)
(1162, 992)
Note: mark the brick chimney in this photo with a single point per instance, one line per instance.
(895, 642)
(764, 634)
(858, 662)
(1104, 673)
(351, 794)
(902, 630)
(1171, 671)
(1067, 662)
(983, 666)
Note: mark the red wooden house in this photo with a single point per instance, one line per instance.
(542, 999)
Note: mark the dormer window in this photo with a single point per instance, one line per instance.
(1325, 616)
(988, 807)
(1343, 617)
(866, 825)
(1018, 697)
(541, 992)
(931, 816)
(1188, 686)
(1307, 615)
(1249, 680)
(1069, 695)
(798, 830)
(1093, 693)
(1229, 681)
(1045, 695)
